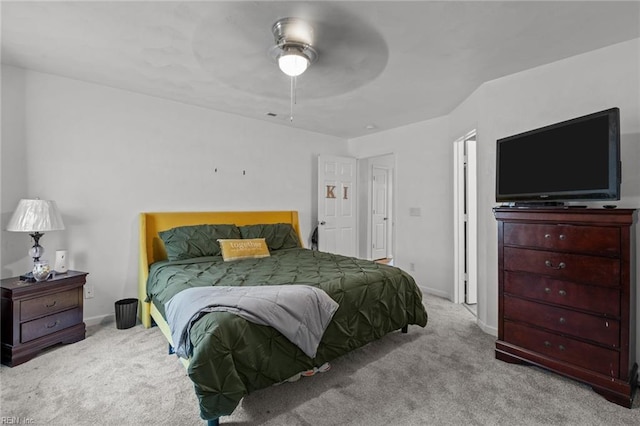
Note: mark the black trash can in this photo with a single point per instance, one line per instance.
(126, 313)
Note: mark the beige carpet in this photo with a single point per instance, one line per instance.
(443, 374)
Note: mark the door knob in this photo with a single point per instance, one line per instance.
(323, 223)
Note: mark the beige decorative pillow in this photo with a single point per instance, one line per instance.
(243, 248)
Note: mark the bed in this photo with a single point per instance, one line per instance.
(230, 356)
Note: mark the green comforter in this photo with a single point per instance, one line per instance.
(233, 357)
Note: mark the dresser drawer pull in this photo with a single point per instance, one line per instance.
(52, 324)
(561, 236)
(606, 324)
(562, 293)
(561, 265)
(51, 305)
(547, 343)
(561, 347)
(562, 320)
(547, 290)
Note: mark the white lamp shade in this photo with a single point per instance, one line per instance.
(293, 63)
(36, 216)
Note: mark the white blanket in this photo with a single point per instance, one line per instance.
(300, 312)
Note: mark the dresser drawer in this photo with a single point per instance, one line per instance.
(575, 238)
(601, 330)
(605, 300)
(50, 324)
(591, 357)
(574, 267)
(49, 304)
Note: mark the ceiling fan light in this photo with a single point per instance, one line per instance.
(293, 63)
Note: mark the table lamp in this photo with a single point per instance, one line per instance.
(35, 217)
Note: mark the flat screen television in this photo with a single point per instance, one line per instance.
(575, 160)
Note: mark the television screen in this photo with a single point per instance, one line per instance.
(578, 159)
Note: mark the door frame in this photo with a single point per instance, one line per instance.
(365, 165)
(389, 210)
(465, 212)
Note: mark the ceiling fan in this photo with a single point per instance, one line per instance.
(294, 49)
(235, 47)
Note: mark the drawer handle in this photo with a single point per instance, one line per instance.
(547, 343)
(562, 320)
(561, 236)
(51, 305)
(547, 290)
(562, 293)
(52, 324)
(561, 347)
(561, 265)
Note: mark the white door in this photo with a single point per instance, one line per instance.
(465, 228)
(471, 289)
(336, 205)
(380, 213)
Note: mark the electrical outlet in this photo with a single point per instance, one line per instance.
(88, 291)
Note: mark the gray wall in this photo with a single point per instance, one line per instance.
(516, 103)
(105, 155)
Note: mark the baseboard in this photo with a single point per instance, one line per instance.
(100, 320)
(493, 331)
(439, 293)
(487, 329)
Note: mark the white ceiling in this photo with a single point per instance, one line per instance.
(381, 64)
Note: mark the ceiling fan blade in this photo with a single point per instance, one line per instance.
(351, 52)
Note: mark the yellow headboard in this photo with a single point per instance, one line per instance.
(152, 248)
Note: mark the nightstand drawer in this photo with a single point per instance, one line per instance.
(605, 300)
(50, 324)
(565, 321)
(591, 357)
(49, 304)
(583, 239)
(574, 267)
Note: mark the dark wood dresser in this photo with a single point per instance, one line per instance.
(566, 294)
(37, 315)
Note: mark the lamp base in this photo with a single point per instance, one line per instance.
(28, 277)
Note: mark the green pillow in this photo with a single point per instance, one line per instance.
(186, 242)
(278, 235)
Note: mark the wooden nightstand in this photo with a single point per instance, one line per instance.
(37, 315)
